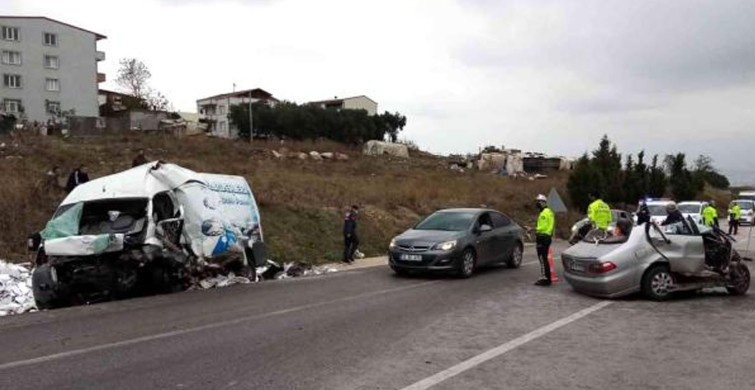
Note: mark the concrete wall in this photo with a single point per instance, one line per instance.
(360, 103)
(77, 71)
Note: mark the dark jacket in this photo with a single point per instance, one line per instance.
(643, 216)
(75, 178)
(350, 223)
(675, 216)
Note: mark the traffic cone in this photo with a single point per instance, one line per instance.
(552, 266)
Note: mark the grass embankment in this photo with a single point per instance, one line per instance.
(302, 202)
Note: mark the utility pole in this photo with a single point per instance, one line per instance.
(251, 127)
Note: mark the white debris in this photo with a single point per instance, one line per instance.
(15, 289)
(358, 254)
(223, 281)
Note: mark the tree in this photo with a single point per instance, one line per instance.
(133, 77)
(681, 181)
(656, 179)
(705, 172)
(584, 180)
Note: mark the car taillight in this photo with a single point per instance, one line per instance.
(602, 268)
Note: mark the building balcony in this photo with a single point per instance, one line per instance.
(99, 55)
(101, 78)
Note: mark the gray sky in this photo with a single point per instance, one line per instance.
(550, 76)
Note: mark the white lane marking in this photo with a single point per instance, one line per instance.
(123, 343)
(502, 349)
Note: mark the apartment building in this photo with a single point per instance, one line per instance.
(48, 67)
(214, 110)
(361, 102)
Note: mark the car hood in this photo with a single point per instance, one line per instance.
(426, 237)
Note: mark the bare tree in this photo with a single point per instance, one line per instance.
(133, 76)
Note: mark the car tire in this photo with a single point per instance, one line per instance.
(466, 263)
(740, 281)
(657, 283)
(515, 260)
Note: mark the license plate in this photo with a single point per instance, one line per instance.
(577, 267)
(406, 257)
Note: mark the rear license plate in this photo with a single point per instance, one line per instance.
(577, 267)
(406, 257)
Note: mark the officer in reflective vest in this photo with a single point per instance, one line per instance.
(599, 212)
(543, 236)
(710, 215)
(735, 213)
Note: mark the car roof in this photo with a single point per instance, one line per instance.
(658, 202)
(744, 200)
(700, 202)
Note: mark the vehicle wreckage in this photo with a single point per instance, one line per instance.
(154, 228)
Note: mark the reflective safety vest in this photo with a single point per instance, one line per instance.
(546, 222)
(736, 211)
(709, 215)
(599, 214)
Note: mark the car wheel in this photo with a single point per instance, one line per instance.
(467, 263)
(657, 284)
(740, 280)
(516, 256)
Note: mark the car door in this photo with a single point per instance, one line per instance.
(484, 241)
(505, 236)
(685, 252)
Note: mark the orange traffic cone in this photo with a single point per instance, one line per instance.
(552, 266)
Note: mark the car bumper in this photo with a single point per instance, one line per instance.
(611, 286)
(432, 261)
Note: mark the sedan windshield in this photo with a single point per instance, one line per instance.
(447, 221)
(744, 205)
(657, 210)
(689, 208)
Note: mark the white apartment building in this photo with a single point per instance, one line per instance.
(48, 67)
(361, 102)
(214, 110)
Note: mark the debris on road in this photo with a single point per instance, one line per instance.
(15, 289)
(270, 271)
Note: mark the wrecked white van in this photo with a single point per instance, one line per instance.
(146, 230)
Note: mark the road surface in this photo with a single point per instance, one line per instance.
(368, 329)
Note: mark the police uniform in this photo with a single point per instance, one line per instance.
(543, 238)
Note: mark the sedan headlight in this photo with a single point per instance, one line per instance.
(446, 246)
(392, 245)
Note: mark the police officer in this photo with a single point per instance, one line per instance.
(710, 215)
(350, 239)
(543, 237)
(599, 212)
(735, 212)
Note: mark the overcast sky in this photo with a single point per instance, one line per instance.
(549, 76)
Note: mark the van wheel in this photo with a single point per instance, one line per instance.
(740, 280)
(658, 284)
(467, 264)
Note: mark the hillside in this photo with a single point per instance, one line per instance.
(301, 201)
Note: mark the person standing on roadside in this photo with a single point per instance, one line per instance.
(543, 238)
(710, 215)
(735, 212)
(599, 212)
(78, 176)
(350, 239)
(140, 159)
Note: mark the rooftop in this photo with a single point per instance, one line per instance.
(339, 100)
(97, 35)
(258, 93)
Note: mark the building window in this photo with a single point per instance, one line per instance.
(12, 80)
(52, 107)
(12, 105)
(10, 33)
(11, 57)
(52, 62)
(221, 110)
(51, 39)
(52, 85)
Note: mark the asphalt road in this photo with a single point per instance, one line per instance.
(368, 329)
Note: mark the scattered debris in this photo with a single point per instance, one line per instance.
(342, 157)
(327, 155)
(270, 271)
(315, 155)
(277, 155)
(303, 156)
(15, 289)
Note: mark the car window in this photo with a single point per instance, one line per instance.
(447, 221)
(500, 220)
(484, 219)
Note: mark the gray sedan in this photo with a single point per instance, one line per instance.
(458, 241)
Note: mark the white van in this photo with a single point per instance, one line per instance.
(148, 229)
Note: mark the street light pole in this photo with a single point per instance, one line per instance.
(251, 127)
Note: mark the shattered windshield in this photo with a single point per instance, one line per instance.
(113, 216)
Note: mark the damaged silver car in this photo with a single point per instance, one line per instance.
(150, 229)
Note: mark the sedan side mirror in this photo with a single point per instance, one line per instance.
(485, 228)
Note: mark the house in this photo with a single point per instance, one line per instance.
(111, 102)
(361, 102)
(214, 110)
(48, 67)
